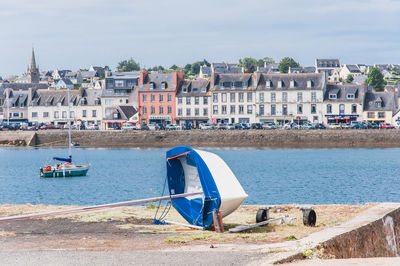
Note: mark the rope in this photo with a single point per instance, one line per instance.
(166, 209)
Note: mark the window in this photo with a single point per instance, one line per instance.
(34, 114)
(313, 96)
(21, 115)
(299, 108)
(284, 109)
(205, 100)
(126, 101)
(161, 110)
(151, 86)
(56, 115)
(72, 114)
(371, 115)
(284, 96)
(232, 95)
(261, 109)
(188, 100)
(341, 109)
(238, 84)
(249, 97)
(273, 109)
(249, 109)
(233, 109)
(350, 96)
(144, 110)
(273, 97)
(163, 85)
(179, 111)
(223, 97)
(309, 84)
(205, 111)
(241, 97)
(160, 98)
(64, 114)
(204, 89)
(110, 83)
(153, 110)
(223, 109)
(169, 97)
(215, 98)
(152, 97)
(378, 104)
(332, 96)
(215, 109)
(188, 110)
(329, 109)
(196, 100)
(45, 114)
(268, 84)
(241, 109)
(292, 84)
(109, 102)
(280, 84)
(381, 114)
(299, 96)
(179, 100)
(261, 96)
(119, 83)
(130, 83)
(196, 111)
(169, 109)
(354, 109)
(313, 109)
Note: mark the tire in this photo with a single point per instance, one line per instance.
(261, 216)
(309, 217)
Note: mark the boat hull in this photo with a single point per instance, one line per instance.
(76, 171)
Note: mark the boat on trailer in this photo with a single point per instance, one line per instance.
(190, 170)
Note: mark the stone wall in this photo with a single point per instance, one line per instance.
(213, 138)
(235, 138)
(17, 138)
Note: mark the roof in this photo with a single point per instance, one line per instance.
(353, 68)
(67, 81)
(157, 81)
(88, 74)
(388, 100)
(54, 97)
(198, 87)
(127, 111)
(331, 63)
(233, 81)
(205, 70)
(21, 86)
(341, 92)
(300, 79)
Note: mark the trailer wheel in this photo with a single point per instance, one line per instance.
(309, 217)
(261, 216)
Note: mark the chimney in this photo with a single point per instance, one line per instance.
(142, 77)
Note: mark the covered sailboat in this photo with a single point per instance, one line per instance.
(191, 170)
(65, 167)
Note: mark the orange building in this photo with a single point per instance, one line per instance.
(157, 101)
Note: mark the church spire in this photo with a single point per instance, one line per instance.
(33, 74)
(33, 60)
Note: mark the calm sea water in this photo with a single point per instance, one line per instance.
(304, 176)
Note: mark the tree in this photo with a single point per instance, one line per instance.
(249, 64)
(349, 78)
(375, 79)
(128, 65)
(174, 67)
(287, 62)
(195, 68)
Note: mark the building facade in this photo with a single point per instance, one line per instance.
(380, 107)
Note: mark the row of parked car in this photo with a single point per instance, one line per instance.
(33, 126)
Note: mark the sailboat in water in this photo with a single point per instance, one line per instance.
(64, 166)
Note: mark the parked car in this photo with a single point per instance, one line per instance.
(230, 126)
(373, 126)
(221, 126)
(161, 126)
(387, 126)
(269, 126)
(92, 127)
(144, 127)
(46, 127)
(245, 126)
(319, 126)
(153, 127)
(334, 126)
(238, 126)
(307, 126)
(256, 126)
(206, 126)
(128, 126)
(170, 127)
(345, 126)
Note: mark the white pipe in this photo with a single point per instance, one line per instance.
(95, 207)
(187, 225)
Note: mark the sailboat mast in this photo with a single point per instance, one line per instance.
(69, 123)
(8, 107)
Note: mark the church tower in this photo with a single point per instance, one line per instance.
(33, 74)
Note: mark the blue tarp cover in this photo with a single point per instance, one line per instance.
(195, 211)
(68, 160)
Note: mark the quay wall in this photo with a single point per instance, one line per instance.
(211, 138)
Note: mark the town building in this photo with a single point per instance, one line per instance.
(232, 98)
(352, 70)
(343, 103)
(220, 68)
(120, 115)
(193, 102)
(64, 83)
(380, 107)
(329, 66)
(157, 96)
(283, 98)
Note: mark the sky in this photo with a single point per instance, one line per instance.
(76, 34)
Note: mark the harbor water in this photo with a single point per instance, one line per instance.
(302, 176)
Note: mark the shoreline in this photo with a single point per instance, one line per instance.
(258, 139)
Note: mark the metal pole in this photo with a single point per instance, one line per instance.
(8, 107)
(69, 124)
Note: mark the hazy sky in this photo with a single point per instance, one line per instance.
(75, 34)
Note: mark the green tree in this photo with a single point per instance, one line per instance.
(249, 64)
(128, 65)
(265, 60)
(375, 79)
(195, 68)
(174, 67)
(187, 68)
(349, 78)
(287, 62)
